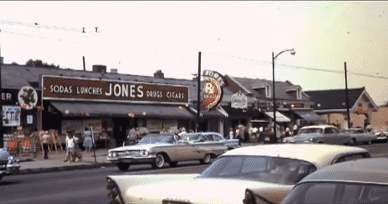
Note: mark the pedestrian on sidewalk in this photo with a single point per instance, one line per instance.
(35, 142)
(77, 150)
(88, 141)
(45, 142)
(70, 145)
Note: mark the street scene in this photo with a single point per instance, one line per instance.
(182, 102)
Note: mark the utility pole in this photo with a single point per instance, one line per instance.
(199, 92)
(1, 107)
(347, 96)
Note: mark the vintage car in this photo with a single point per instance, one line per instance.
(8, 164)
(320, 134)
(158, 149)
(381, 135)
(268, 170)
(360, 135)
(361, 181)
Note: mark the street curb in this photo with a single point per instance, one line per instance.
(64, 168)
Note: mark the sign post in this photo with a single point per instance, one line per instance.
(94, 146)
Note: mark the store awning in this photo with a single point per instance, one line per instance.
(308, 115)
(279, 117)
(71, 109)
(217, 112)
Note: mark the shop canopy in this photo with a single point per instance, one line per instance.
(280, 118)
(308, 115)
(71, 109)
(216, 112)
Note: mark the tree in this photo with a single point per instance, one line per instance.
(39, 63)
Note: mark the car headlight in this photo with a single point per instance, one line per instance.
(11, 160)
(144, 152)
(112, 154)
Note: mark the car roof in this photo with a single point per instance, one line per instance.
(318, 154)
(371, 170)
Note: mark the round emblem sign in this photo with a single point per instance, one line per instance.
(27, 97)
(212, 92)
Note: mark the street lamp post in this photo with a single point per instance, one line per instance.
(273, 89)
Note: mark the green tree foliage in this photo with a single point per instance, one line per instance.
(40, 63)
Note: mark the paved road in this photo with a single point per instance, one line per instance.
(73, 187)
(88, 186)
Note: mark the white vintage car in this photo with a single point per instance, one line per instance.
(267, 171)
(158, 149)
(327, 134)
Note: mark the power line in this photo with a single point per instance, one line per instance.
(95, 30)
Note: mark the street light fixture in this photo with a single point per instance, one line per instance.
(273, 88)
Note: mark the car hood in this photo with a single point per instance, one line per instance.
(139, 147)
(193, 189)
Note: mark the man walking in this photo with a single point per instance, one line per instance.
(45, 142)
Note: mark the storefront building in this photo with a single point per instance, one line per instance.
(249, 103)
(69, 99)
(332, 106)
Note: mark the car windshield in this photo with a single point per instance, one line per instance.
(153, 139)
(259, 168)
(311, 131)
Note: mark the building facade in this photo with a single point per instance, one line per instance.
(332, 105)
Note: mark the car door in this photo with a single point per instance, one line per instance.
(184, 150)
(203, 145)
(216, 144)
(328, 136)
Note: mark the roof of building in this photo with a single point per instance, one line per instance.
(32, 76)
(283, 90)
(334, 98)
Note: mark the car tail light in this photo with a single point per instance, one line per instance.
(114, 193)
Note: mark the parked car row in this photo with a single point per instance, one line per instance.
(296, 172)
(267, 172)
(158, 149)
(331, 135)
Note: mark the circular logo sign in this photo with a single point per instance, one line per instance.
(212, 92)
(27, 97)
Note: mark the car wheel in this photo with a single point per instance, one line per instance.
(159, 161)
(173, 164)
(123, 166)
(206, 159)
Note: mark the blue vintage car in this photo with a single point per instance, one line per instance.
(8, 164)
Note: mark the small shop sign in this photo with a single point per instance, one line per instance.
(239, 101)
(212, 88)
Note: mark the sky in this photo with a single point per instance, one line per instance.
(234, 37)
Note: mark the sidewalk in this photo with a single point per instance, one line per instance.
(55, 162)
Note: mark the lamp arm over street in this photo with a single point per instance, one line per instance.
(274, 139)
